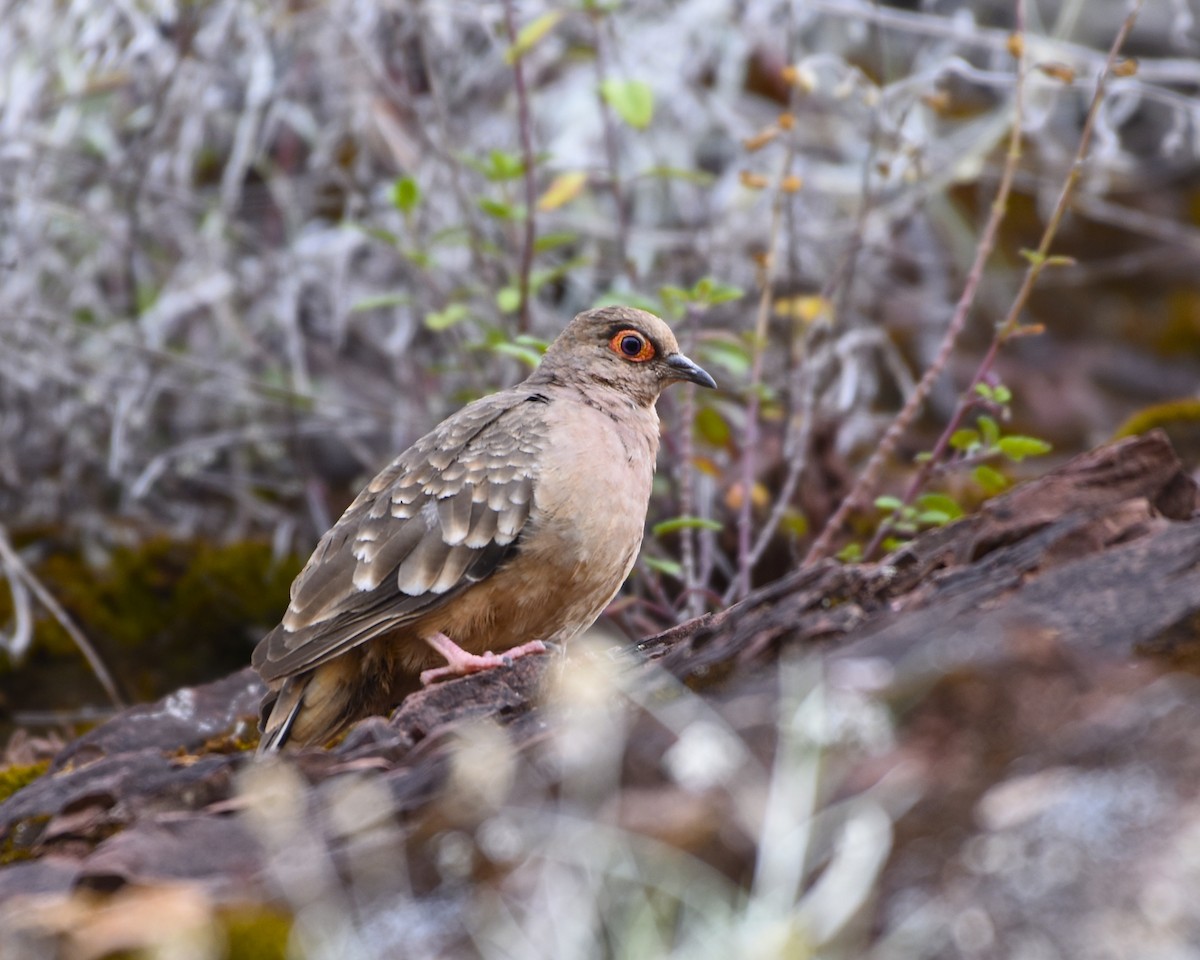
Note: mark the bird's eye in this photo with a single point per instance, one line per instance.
(632, 346)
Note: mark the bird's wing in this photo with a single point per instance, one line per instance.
(441, 517)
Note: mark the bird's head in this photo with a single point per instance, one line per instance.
(629, 350)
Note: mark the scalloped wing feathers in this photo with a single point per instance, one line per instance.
(444, 515)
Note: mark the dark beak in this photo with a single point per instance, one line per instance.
(685, 369)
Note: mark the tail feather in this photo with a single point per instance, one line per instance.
(311, 707)
(278, 713)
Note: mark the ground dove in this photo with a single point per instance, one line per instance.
(513, 522)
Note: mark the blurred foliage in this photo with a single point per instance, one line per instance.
(259, 250)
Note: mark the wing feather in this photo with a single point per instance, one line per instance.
(443, 515)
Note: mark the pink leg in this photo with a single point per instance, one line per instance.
(459, 663)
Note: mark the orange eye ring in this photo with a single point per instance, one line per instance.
(632, 346)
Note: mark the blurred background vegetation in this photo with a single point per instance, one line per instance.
(249, 251)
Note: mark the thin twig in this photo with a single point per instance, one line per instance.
(612, 154)
(525, 124)
(1011, 325)
(693, 596)
(868, 480)
(741, 585)
(16, 567)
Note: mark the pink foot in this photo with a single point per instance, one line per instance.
(459, 663)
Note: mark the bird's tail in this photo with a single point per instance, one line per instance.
(311, 707)
(277, 715)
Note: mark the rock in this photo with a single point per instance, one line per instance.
(993, 751)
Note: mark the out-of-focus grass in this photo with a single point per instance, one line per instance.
(732, 838)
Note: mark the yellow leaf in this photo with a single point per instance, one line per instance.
(531, 34)
(562, 190)
(807, 309)
(1125, 67)
(761, 139)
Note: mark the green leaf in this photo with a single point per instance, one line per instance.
(508, 300)
(497, 166)
(889, 504)
(381, 301)
(700, 177)
(676, 524)
(550, 241)
(933, 518)
(984, 390)
(712, 292)
(990, 430)
(626, 298)
(964, 439)
(530, 34)
(632, 99)
(444, 319)
(501, 210)
(990, 479)
(674, 293)
(940, 503)
(850, 553)
(534, 343)
(794, 523)
(670, 567)
(1001, 394)
(527, 355)
(713, 427)
(406, 194)
(733, 355)
(1017, 448)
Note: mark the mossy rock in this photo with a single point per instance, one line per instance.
(162, 614)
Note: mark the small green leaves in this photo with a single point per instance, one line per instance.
(406, 195)
(929, 510)
(675, 524)
(706, 292)
(631, 99)
(998, 393)
(498, 166)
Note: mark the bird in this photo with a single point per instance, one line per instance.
(509, 526)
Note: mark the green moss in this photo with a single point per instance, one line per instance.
(162, 614)
(255, 933)
(1179, 419)
(16, 776)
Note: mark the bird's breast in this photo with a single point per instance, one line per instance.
(594, 481)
